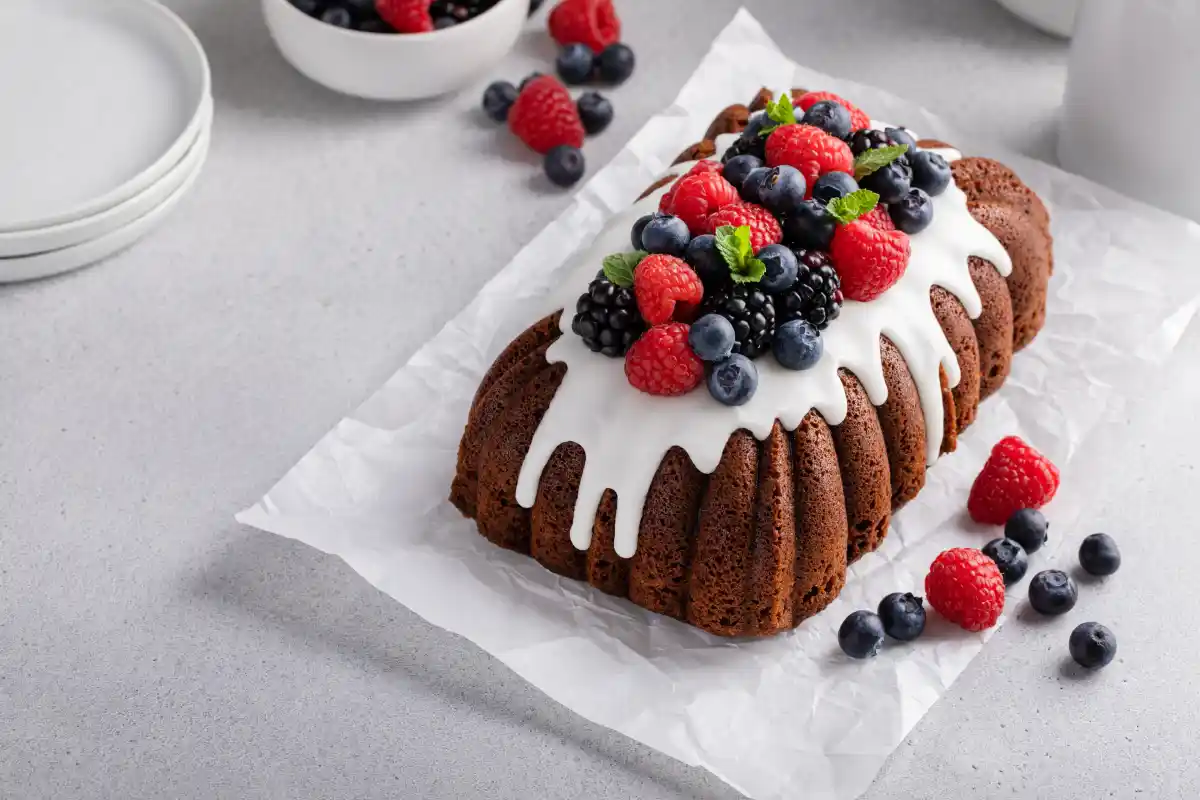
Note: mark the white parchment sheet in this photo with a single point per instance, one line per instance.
(787, 717)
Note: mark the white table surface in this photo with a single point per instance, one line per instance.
(152, 648)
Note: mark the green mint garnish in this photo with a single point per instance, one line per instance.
(780, 112)
(870, 160)
(734, 246)
(619, 267)
(849, 208)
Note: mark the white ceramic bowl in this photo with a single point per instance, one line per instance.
(1056, 17)
(407, 66)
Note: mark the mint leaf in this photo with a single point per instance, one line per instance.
(780, 112)
(619, 267)
(849, 208)
(734, 246)
(870, 160)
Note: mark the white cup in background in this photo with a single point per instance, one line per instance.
(1132, 103)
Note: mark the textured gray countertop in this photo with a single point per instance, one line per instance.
(151, 647)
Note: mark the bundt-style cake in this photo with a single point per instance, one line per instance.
(741, 516)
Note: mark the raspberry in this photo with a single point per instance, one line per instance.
(1015, 477)
(879, 218)
(966, 587)
(699, 168)
(406, 16)
(695, 197)
(662, 362)
(858, 118)
(764, 228)
(868, 260)
(591, 22)
(544, 116)
(810, 150)
(660, 282)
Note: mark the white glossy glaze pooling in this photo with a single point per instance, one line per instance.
(625, 433)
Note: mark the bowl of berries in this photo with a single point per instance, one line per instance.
(394, 49)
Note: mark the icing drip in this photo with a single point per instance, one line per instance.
(625, 433)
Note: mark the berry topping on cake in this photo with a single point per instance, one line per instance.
(662, 363)
(781, 267)
(810, 150)
(913, 213)
(858, 119)
(406, 16)
(1092, 645)
(1029, 528)
(868, 139)
(666, 288)
(966, 587)
(903, 616)
(595, 112)
(590, 22)
(751, 311)
(901, 136)
(884, 171)
(1052, 592)
(832, 185)
(711, 338)
(738, 168)
(1099, 555)
(607, 317)
(764, 228)
(930, 172)
(697, 196)
(498, 99)
(830, 116)
(564, 165)
(816, 295)
(780, 190)
(733, 381)
(704, 257)
(666, 234)
(751, 142)
(615, 63)
(544, 116)
(797, 345)
(861, 634)
(575, 63)
(1010, 557)
(811, 227)
(1015, 477)
(869, 261)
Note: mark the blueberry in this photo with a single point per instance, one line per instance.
(615, 63)
(891, 182)
(758, 120)
(902, 615)
(498, 99)
(666, 234)
(338, 17)
(831, 117)
(913, 213)
(1092, 645)
(595, 111)
(575, 63)
(781, 190)
(310, 7)
(360, 8)
(809, 227)
(1098, 554)
(797, 344)
(441, 23)
(733, 381)
(739, 167)
(782, 267)
(711, 337)
(635, 236)
(564, 165)
(861, 634)
(753, 185)
(1010, 557)
(1052, 592)
(834, 184)
(376, 25)
(533, 76)
(901, 136)
(1027, 528)
(704, 257)
(930, 172)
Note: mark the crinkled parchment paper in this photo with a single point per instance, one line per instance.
(787, 717)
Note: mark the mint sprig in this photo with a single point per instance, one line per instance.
(869, 161)
(619, 267)
(734, 246)
(781, 112)
(849, 208)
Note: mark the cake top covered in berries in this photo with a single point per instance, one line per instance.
(731, 298)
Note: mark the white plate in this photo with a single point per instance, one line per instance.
(99, 99)
(68, 234)
(57, 261)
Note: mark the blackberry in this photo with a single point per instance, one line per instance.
(748, 144)
(752, 313)
(868, 139)
(816, 295)
(607, 318)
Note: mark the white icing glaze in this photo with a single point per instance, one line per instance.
(625, 433)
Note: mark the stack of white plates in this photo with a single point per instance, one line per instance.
(105, 119)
